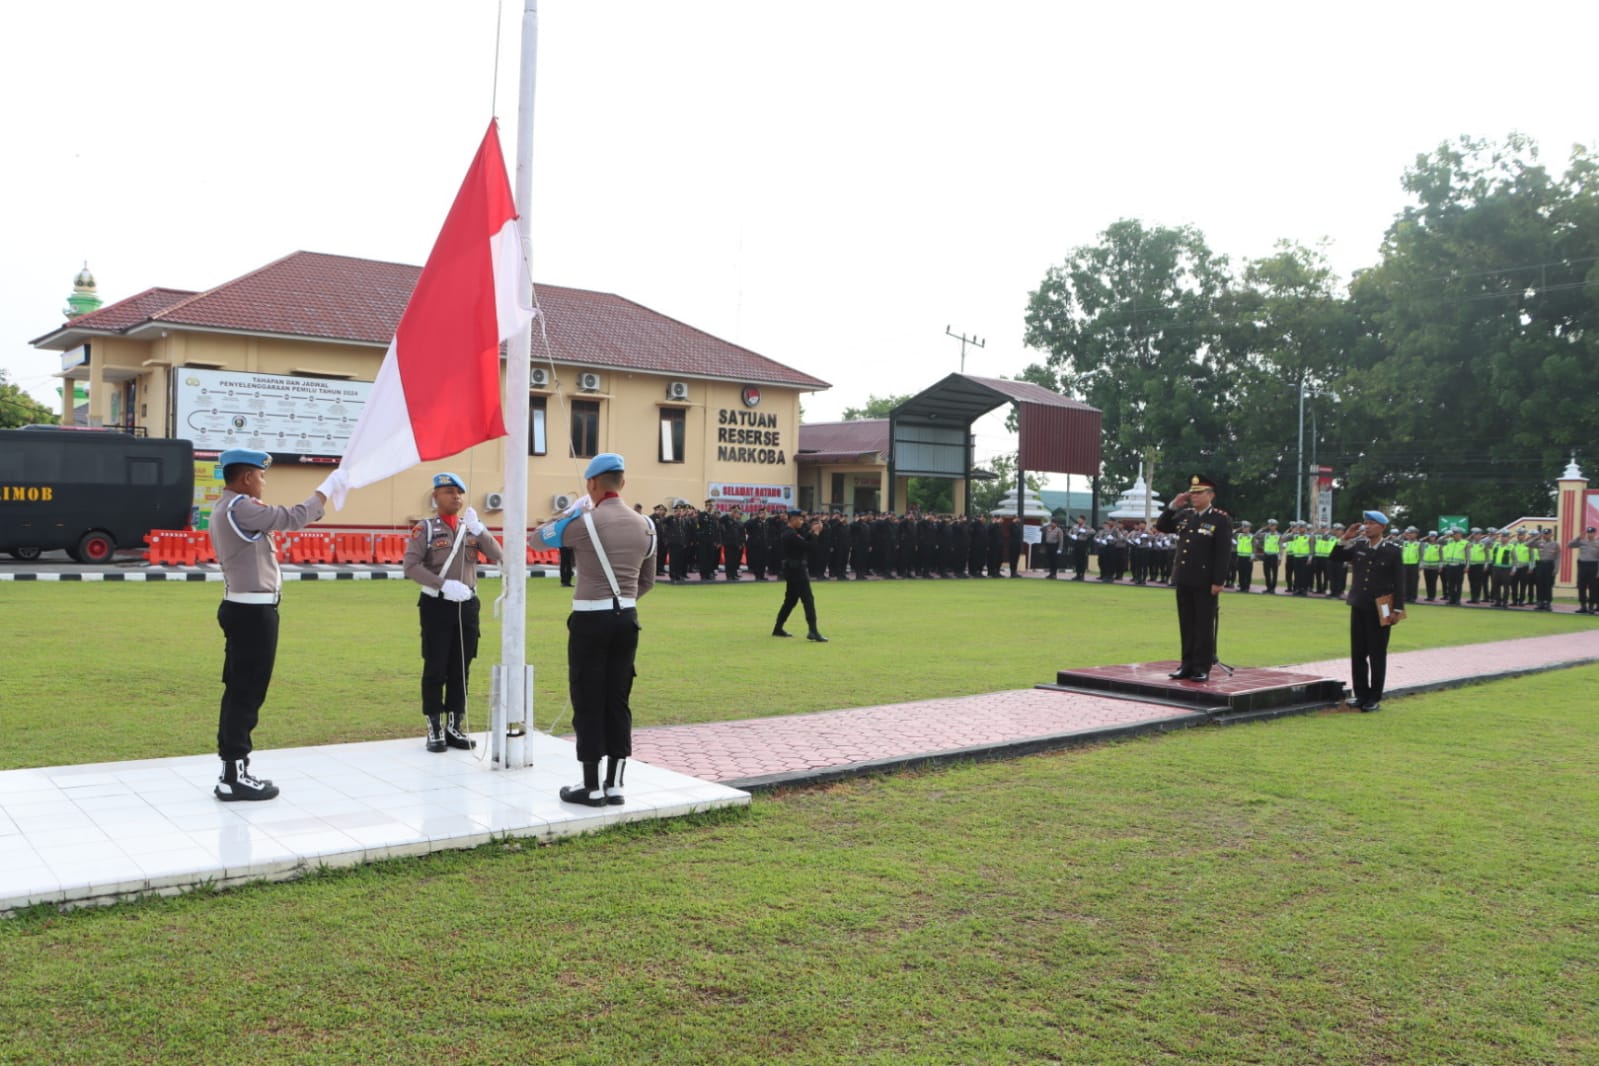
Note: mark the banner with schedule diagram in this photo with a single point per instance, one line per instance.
(294, 419)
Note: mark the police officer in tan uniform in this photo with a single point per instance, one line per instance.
(441, 556)
(240, 528)
(615, 566)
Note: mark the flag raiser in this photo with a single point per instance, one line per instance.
(438, 390)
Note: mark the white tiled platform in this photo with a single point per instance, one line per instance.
(98, 833)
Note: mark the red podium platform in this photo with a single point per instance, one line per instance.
(1245, 693)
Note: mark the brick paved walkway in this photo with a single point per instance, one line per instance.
(767, 752)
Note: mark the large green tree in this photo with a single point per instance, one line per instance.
(1287, 327)
(17, 408)
(1476, 370)
(1131, 325)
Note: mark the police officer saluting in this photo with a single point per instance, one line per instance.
(249, 612)
(441, 556)
(1204, 555)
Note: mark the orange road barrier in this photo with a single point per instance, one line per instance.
(168, 547)
(200, 547)
(352, 547)
(388, 548)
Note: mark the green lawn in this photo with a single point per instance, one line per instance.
(98, 672)
(1416, 886)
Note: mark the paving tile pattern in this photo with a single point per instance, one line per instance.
(756, 752)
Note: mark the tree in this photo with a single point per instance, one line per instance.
(876, 407)
(1288, 327)
(17, 408)
(1131, 326)
(1476, 368)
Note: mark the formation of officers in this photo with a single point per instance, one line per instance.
(1483, 566)
(708, 541)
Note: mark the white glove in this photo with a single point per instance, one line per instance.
(335, 487)
(469, 519)
(584, 502)
(456, 592)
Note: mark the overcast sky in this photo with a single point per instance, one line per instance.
(830, 184)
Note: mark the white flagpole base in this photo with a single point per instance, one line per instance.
(509, 723)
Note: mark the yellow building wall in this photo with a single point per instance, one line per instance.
(630, 415)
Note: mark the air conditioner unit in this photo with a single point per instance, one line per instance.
(588, 382)
(561, 501)
(677, 390)
(494, 501)
(538, 377)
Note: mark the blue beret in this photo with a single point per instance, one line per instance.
(603, 463)
(441, 480)
(1375, 516)
(246, 457)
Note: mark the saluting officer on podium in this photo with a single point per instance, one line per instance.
(1199, 571)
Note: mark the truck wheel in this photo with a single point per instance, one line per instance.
(95, 547)
(25, 554)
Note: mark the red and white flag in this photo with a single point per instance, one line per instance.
(438, 390)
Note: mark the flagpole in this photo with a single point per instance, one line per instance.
(512, 712)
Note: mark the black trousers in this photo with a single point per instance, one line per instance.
(1412, 581)
(1337, 577)
(1543, 579)
(1196, 623)
(251, 632)
(1587, 584)
(1268, 571)
(1454, 578)
(1477, 577)
(798, 591)
(600, 647)
(731, 557)
(1368, 653)
(1431, 578)
(449, 644)
(568, 565)
(1318, 572)
(1080, 558)
(1244, 568)
(1052, 558)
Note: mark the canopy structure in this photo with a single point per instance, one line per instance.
(930, 434)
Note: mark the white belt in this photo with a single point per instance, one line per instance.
(251, 597)
(436, 593)
(603, 605)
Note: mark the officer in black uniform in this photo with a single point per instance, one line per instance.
(799, 541)
(1204, 555)
(1377, 568)
(755, 546)
(732, 543)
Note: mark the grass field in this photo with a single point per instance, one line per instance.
(1416, 886)
(122, 671)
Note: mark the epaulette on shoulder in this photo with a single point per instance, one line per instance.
(418, 528)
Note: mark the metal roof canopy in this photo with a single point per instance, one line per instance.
(930, 434)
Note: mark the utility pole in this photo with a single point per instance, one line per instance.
(975, 342)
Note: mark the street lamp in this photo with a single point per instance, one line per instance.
(1299, 491)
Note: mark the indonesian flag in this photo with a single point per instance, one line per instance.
(438, 391)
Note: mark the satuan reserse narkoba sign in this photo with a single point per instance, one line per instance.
(295, 419)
